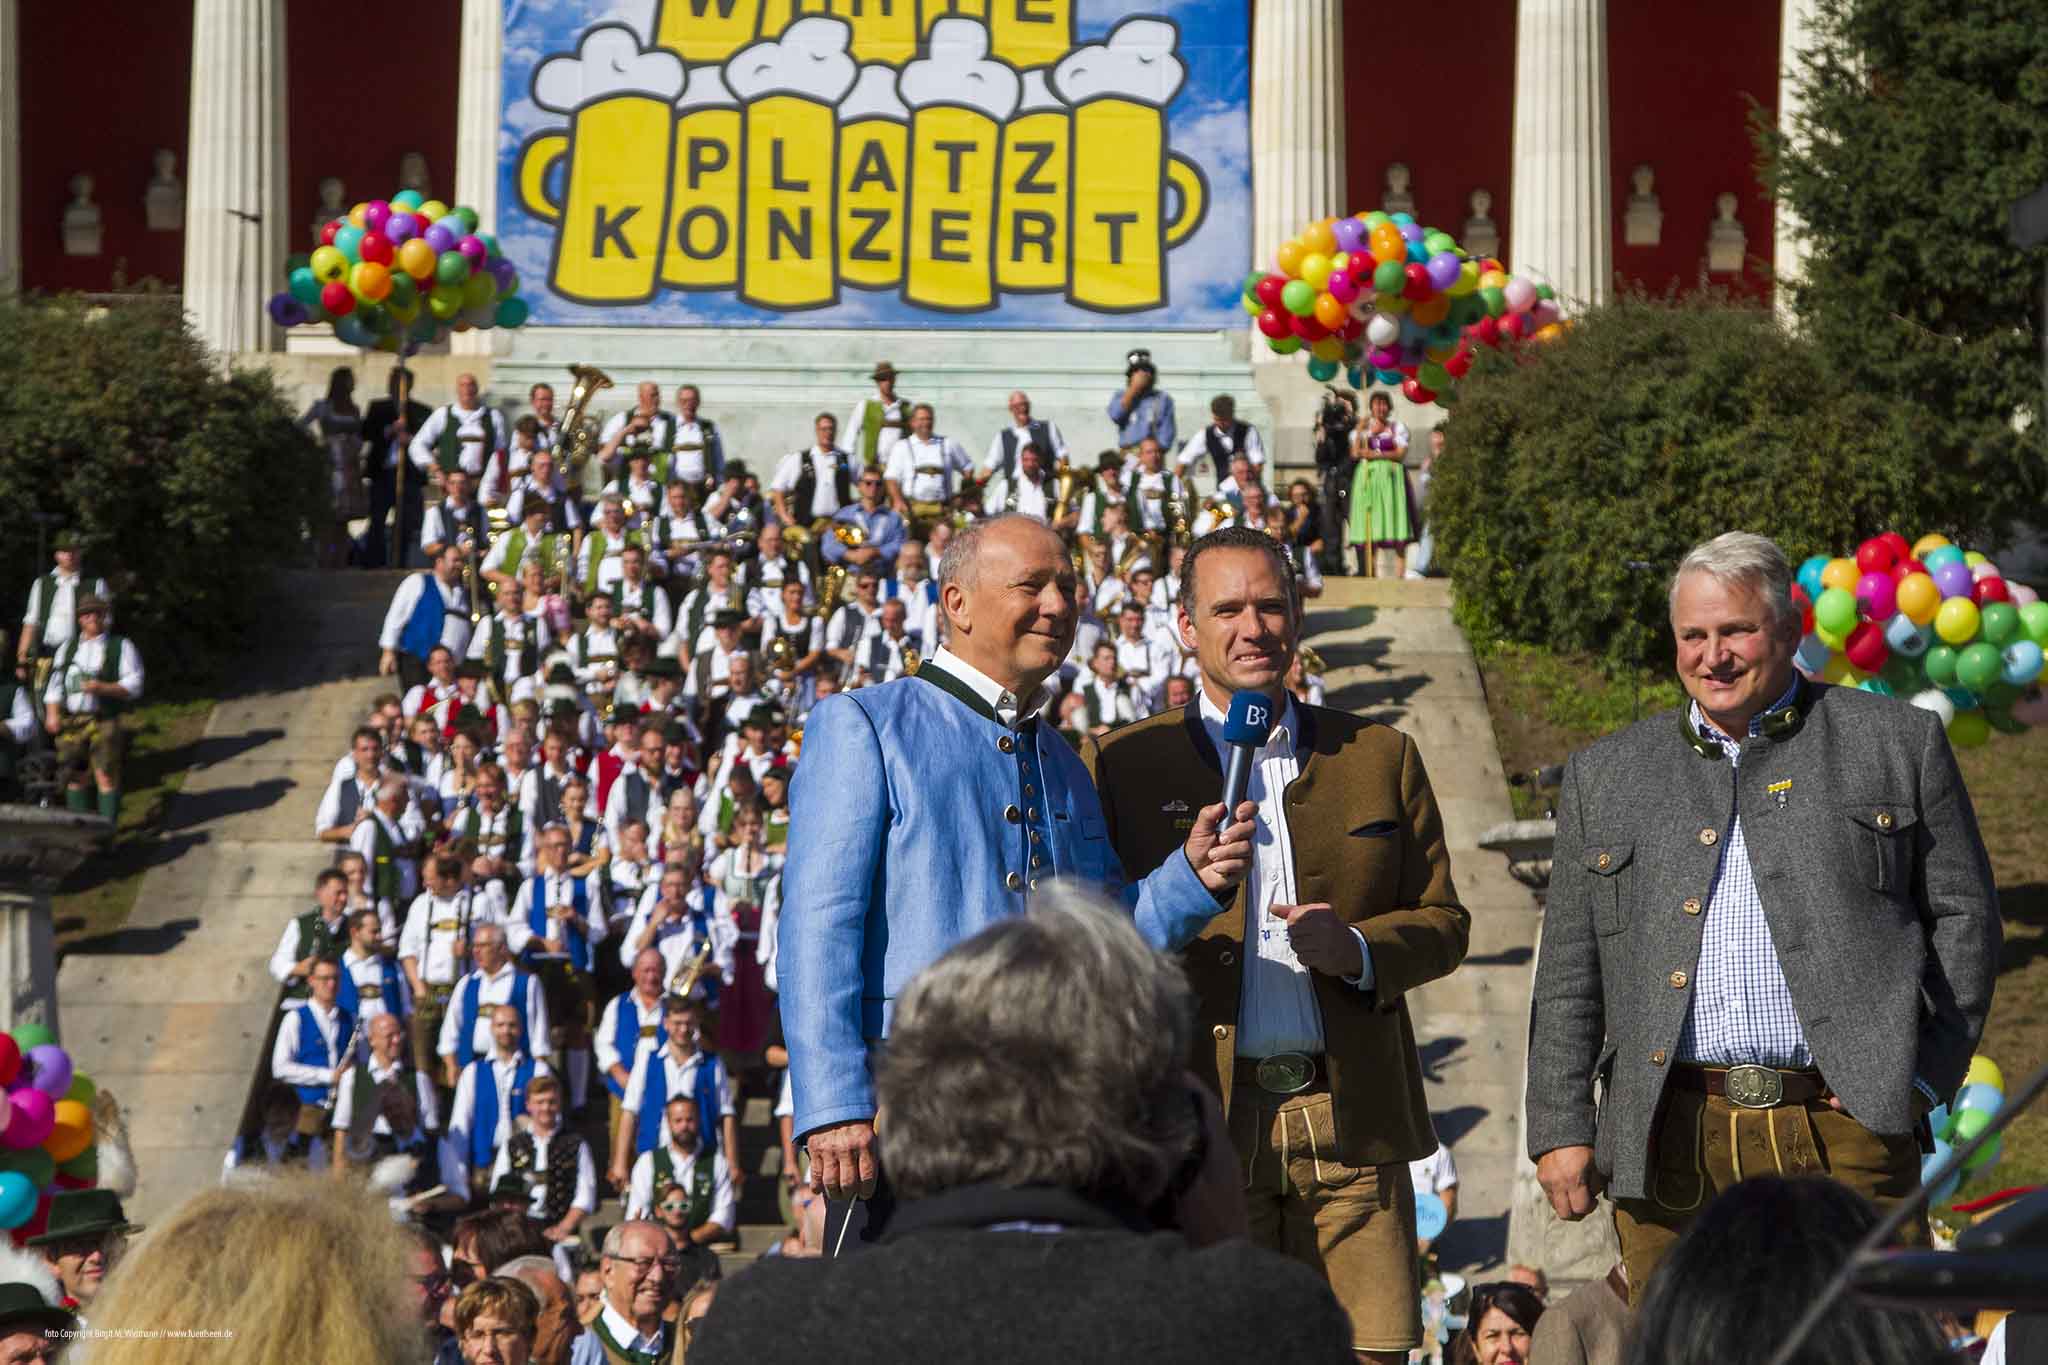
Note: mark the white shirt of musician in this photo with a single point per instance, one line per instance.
(926, 470)
(640, 1190)
(409, 826)
(1151, 493)
(286, 955)
(1034, 498)
(690, 461)
(285, 1050)
(462, 1109)
(433, 925)
(67, 686)
(682, 1080)
(558, 897)
(63, 622)
(825, 501)
(423, 1090)
(496, 989)
(585, 1197)
(604, 1042)
(474, 430)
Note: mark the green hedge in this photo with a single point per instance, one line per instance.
(1652, 425)
(188, 488)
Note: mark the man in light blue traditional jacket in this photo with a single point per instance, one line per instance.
(980, 802)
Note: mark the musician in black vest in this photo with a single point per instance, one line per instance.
(458, 512)
(1023, 430)
(386, 434)
(553, 1166)
(351, 795)
(810, 485)
(1218, 443)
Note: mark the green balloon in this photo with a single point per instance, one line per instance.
(1433, 377)
(33, 1162)
(1286, 345)
(1439, 242)
(2004, 721)
(1940, 664)
(1978, 666)
(1968, 1123)
(1999, 622)
(82, 1089)
(84, 1166)
(1251, 281)
(1298, 297)
(27, 1036)
(2000, 696)
(2034, 620)
(1251, 305)
(1835, 610)
(1389, 276)
(452, 268)
(1902, 673)
(1495, 300)
(466, 216)
(1374, 219)
(478, 291)
(1544, 291)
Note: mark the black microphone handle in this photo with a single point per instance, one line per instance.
(1237, 778)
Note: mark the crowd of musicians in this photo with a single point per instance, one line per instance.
(542, 963)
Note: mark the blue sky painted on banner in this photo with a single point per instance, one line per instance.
(1207, 122)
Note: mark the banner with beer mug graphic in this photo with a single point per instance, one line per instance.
(915, 162)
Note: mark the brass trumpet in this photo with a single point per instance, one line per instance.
(685, 980)
(912, 661)
(781, 655)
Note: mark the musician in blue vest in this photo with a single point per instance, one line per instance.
(430, 608)
(555, 927)
(315, 1047)
(371, 983)
(466, 1029)
(679, 1067)
(629, 1026)
(490, 1096)
(880, 886)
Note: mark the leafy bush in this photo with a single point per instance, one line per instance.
(187, 488)
(1650, 426)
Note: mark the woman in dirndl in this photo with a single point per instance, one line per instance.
(1380, 518)
(745, 875)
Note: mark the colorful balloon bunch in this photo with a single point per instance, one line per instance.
(1930, 621)
(1961, 1120)
(1392, 302)
(400, 273)
(46, 1131)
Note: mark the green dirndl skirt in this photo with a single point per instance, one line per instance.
(1379, 504)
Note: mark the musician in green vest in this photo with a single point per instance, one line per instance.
(879, 421)
(687, 1190)
(464, 435)
(529, 540)
(94, 678)
(600, 558)
(646, 428)
(52, 615)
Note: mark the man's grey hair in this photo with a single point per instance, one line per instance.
(957, 564)
(525, 1267)
(1046, 1050)
(615, 1240)
(494, 932)
(1746, 559)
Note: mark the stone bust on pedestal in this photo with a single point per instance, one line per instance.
(81, 219)
(412, 174)
(1398, 197)
(1726, 238)
(331, 207)
(1482, 235)
(1643, 223)
(163, 203)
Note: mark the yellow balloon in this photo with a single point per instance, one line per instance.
(1984, 1071)
(433, 210)
(1829, 638)
(1550, 331)
(1329, 348)
(1315, 268)
(1494, 279)
(359, 215)
(1439, 353)
(1467, 281)
(1841, 573)
(1288, 256)
(1933, 541)
(1389, 303)
(1975, 557)
(1837, 669)
(1918, 598)
(1341, 261)
(1321, 237)
(1956, 620)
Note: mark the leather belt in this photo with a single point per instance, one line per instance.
(1285, 1073)
(1752, 1087)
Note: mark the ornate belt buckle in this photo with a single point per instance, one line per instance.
(1286, 1073)
(1755, 1087)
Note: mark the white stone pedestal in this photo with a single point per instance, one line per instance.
(38, 848)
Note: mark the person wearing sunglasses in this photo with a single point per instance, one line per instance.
(881, 530)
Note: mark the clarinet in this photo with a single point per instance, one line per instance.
(348, 1050)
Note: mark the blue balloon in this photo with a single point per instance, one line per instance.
(1809, 576)
(1978, 1095)
(1941, 555)
(1928, 1165)
(1388, 377)
(1322, 371)
(1418, 253)
(1812, 654)
(1903, 637)
(1938, 1120)
(2023, 662)
(1964, 698)
(1431, 1218)
(1356, 376)
(17, 1199)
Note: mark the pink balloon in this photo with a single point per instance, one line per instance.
(1342, 287)
(35, 1114)
(1876, 597)
(1520, 295)
(2022, 595)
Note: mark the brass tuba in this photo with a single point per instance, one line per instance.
(1068, 484)
(849, 535)
(781, 655)
(912, 660)
(831, 587)
(579, 432)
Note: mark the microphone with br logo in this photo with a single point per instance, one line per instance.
(1245, 727)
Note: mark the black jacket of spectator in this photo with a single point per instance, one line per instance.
(948, 1284)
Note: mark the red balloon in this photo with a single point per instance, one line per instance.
(1866, 649)
(375, 246)
(336, 299)
(1806, 617)
(1799, 598)
(1307, 328)
(1267, 291)
(1274, 325)
(1910, 565)
(1876, 556)
(1417, 286)
(1901, 551)
(10, 1059)
(1352, 330)
(327, 231)
(1460, 363)
(1991, 590)
(1414, 392)
(1489, 331)
(1515, 326)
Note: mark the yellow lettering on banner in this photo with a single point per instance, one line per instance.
(874, 163)
(702, 247)
(953, 158)
(1031, 215)
(883, 30)
(609, 249)
(787, 258)
(708, 30)
(777, 15)
(1027, 33)
(1119, 193)
(931, 11)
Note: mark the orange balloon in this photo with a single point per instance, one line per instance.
(1287, 257)
(1841, 573)
(1388, 244)
(1432, 310)
(1321, 237)
(1549, 331)
(1918, 598)
(1331, 313)
(72, 1132)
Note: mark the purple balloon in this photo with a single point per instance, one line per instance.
(1351, 234)
(1412, 232)
(1444, 268)
(278, 304)
(1954, 580)
(401, 227)
(440, 237)
(53, 1069)
(503, 272)
(1384, 358)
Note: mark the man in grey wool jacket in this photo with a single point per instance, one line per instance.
(1772, 933)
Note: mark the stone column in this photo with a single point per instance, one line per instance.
(1297, 123)
(476, 130)
(38, 849)
(10, 146)
(236, 219)
(1559, 206)
(1788, 253)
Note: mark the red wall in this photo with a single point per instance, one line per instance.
(103, 86)
(1680, 74)
(1446, 111)
(355, 119)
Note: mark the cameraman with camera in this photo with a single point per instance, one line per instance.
(1141, 410)
(1333, 457)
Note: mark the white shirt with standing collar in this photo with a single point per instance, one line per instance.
(1277, 1009)
(1011, 710)
(585, 1197)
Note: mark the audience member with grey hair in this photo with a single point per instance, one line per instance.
(1044, 1135)
(1742, 559)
